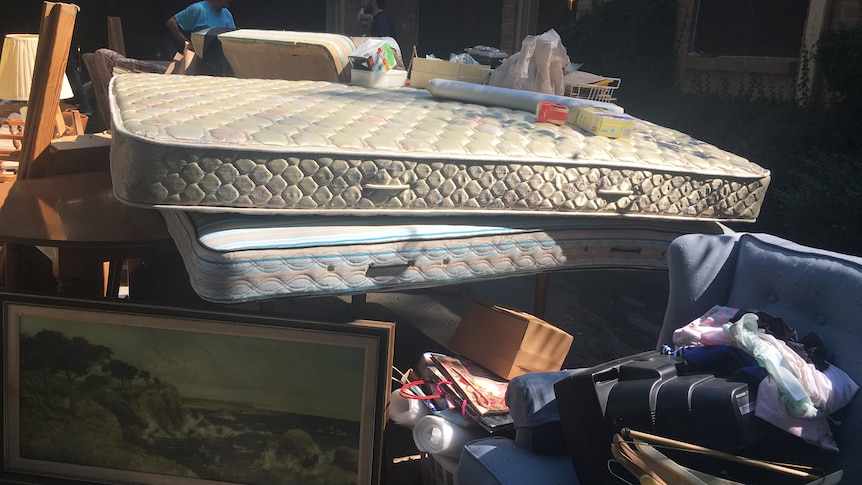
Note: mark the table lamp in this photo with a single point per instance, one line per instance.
(16, 68)
(17, 62)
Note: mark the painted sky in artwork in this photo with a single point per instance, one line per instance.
(321, 379)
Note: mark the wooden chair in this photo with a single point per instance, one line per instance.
(11, 129)
(73, 218)
(70, 122)
(55, 39)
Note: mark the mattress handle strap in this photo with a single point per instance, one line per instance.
(615, 193)
(386, 187)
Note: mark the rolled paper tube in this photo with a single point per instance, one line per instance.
(437, 435)
(405, 412)
(508, 98)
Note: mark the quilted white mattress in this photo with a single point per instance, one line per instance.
(215, 143)
(234, 258)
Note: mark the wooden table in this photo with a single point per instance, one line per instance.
(77, 221)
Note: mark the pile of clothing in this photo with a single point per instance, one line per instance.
(798, 389)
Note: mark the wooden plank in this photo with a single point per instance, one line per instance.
(52, 54)
(116, 42)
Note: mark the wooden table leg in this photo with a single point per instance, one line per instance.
(78, 273)
(113, 276)
(357, 304)
(540, 295)
(25, 268)
(11, 257)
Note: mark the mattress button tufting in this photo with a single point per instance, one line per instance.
(773, 298)
(820, 320)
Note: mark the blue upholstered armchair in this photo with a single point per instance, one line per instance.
(810, 289)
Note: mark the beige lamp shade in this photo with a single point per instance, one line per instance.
(16, 68)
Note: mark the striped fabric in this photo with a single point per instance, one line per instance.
(233, 258)
(233, 232)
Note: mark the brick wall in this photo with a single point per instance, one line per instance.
(508, 43)
(404, 14)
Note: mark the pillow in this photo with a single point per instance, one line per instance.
(533, 407)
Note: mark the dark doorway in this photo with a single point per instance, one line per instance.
(554, 14)
(450, 26)
(298, 15)
(760, 28)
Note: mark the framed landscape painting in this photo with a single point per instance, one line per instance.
(122, 393)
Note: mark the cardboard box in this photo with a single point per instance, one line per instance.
(601, 122)
(425, 70)
(508, 342)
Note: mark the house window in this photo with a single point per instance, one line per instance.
(758, 28)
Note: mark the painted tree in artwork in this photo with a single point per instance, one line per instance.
(124, 372)
(51, 353)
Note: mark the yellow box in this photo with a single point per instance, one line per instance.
(508, 342)
(424, 70)
(602, 122)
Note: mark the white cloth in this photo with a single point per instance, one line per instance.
(770, 409)
(803, 389)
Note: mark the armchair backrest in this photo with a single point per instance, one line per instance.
(810, 289)
(101, 66)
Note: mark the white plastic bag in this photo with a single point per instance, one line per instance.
(537, 67)
(377, 54)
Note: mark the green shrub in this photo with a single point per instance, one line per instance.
(629, 39)
(816, 200)
(839, 58)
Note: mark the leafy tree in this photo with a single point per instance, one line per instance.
(52, 353)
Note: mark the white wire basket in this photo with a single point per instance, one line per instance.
(592, 91)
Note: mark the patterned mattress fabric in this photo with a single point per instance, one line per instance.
(234, 258)
(215, 143)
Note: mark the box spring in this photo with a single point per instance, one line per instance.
(233, 258)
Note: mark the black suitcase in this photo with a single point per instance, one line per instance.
(652, 393)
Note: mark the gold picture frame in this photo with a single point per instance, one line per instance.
(113, 392)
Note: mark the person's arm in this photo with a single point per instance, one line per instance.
(175, 30)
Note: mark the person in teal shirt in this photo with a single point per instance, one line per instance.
(201, 15)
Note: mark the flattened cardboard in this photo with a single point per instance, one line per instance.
(424, 70)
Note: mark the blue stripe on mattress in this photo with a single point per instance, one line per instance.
(277, 264)
(235, 232)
